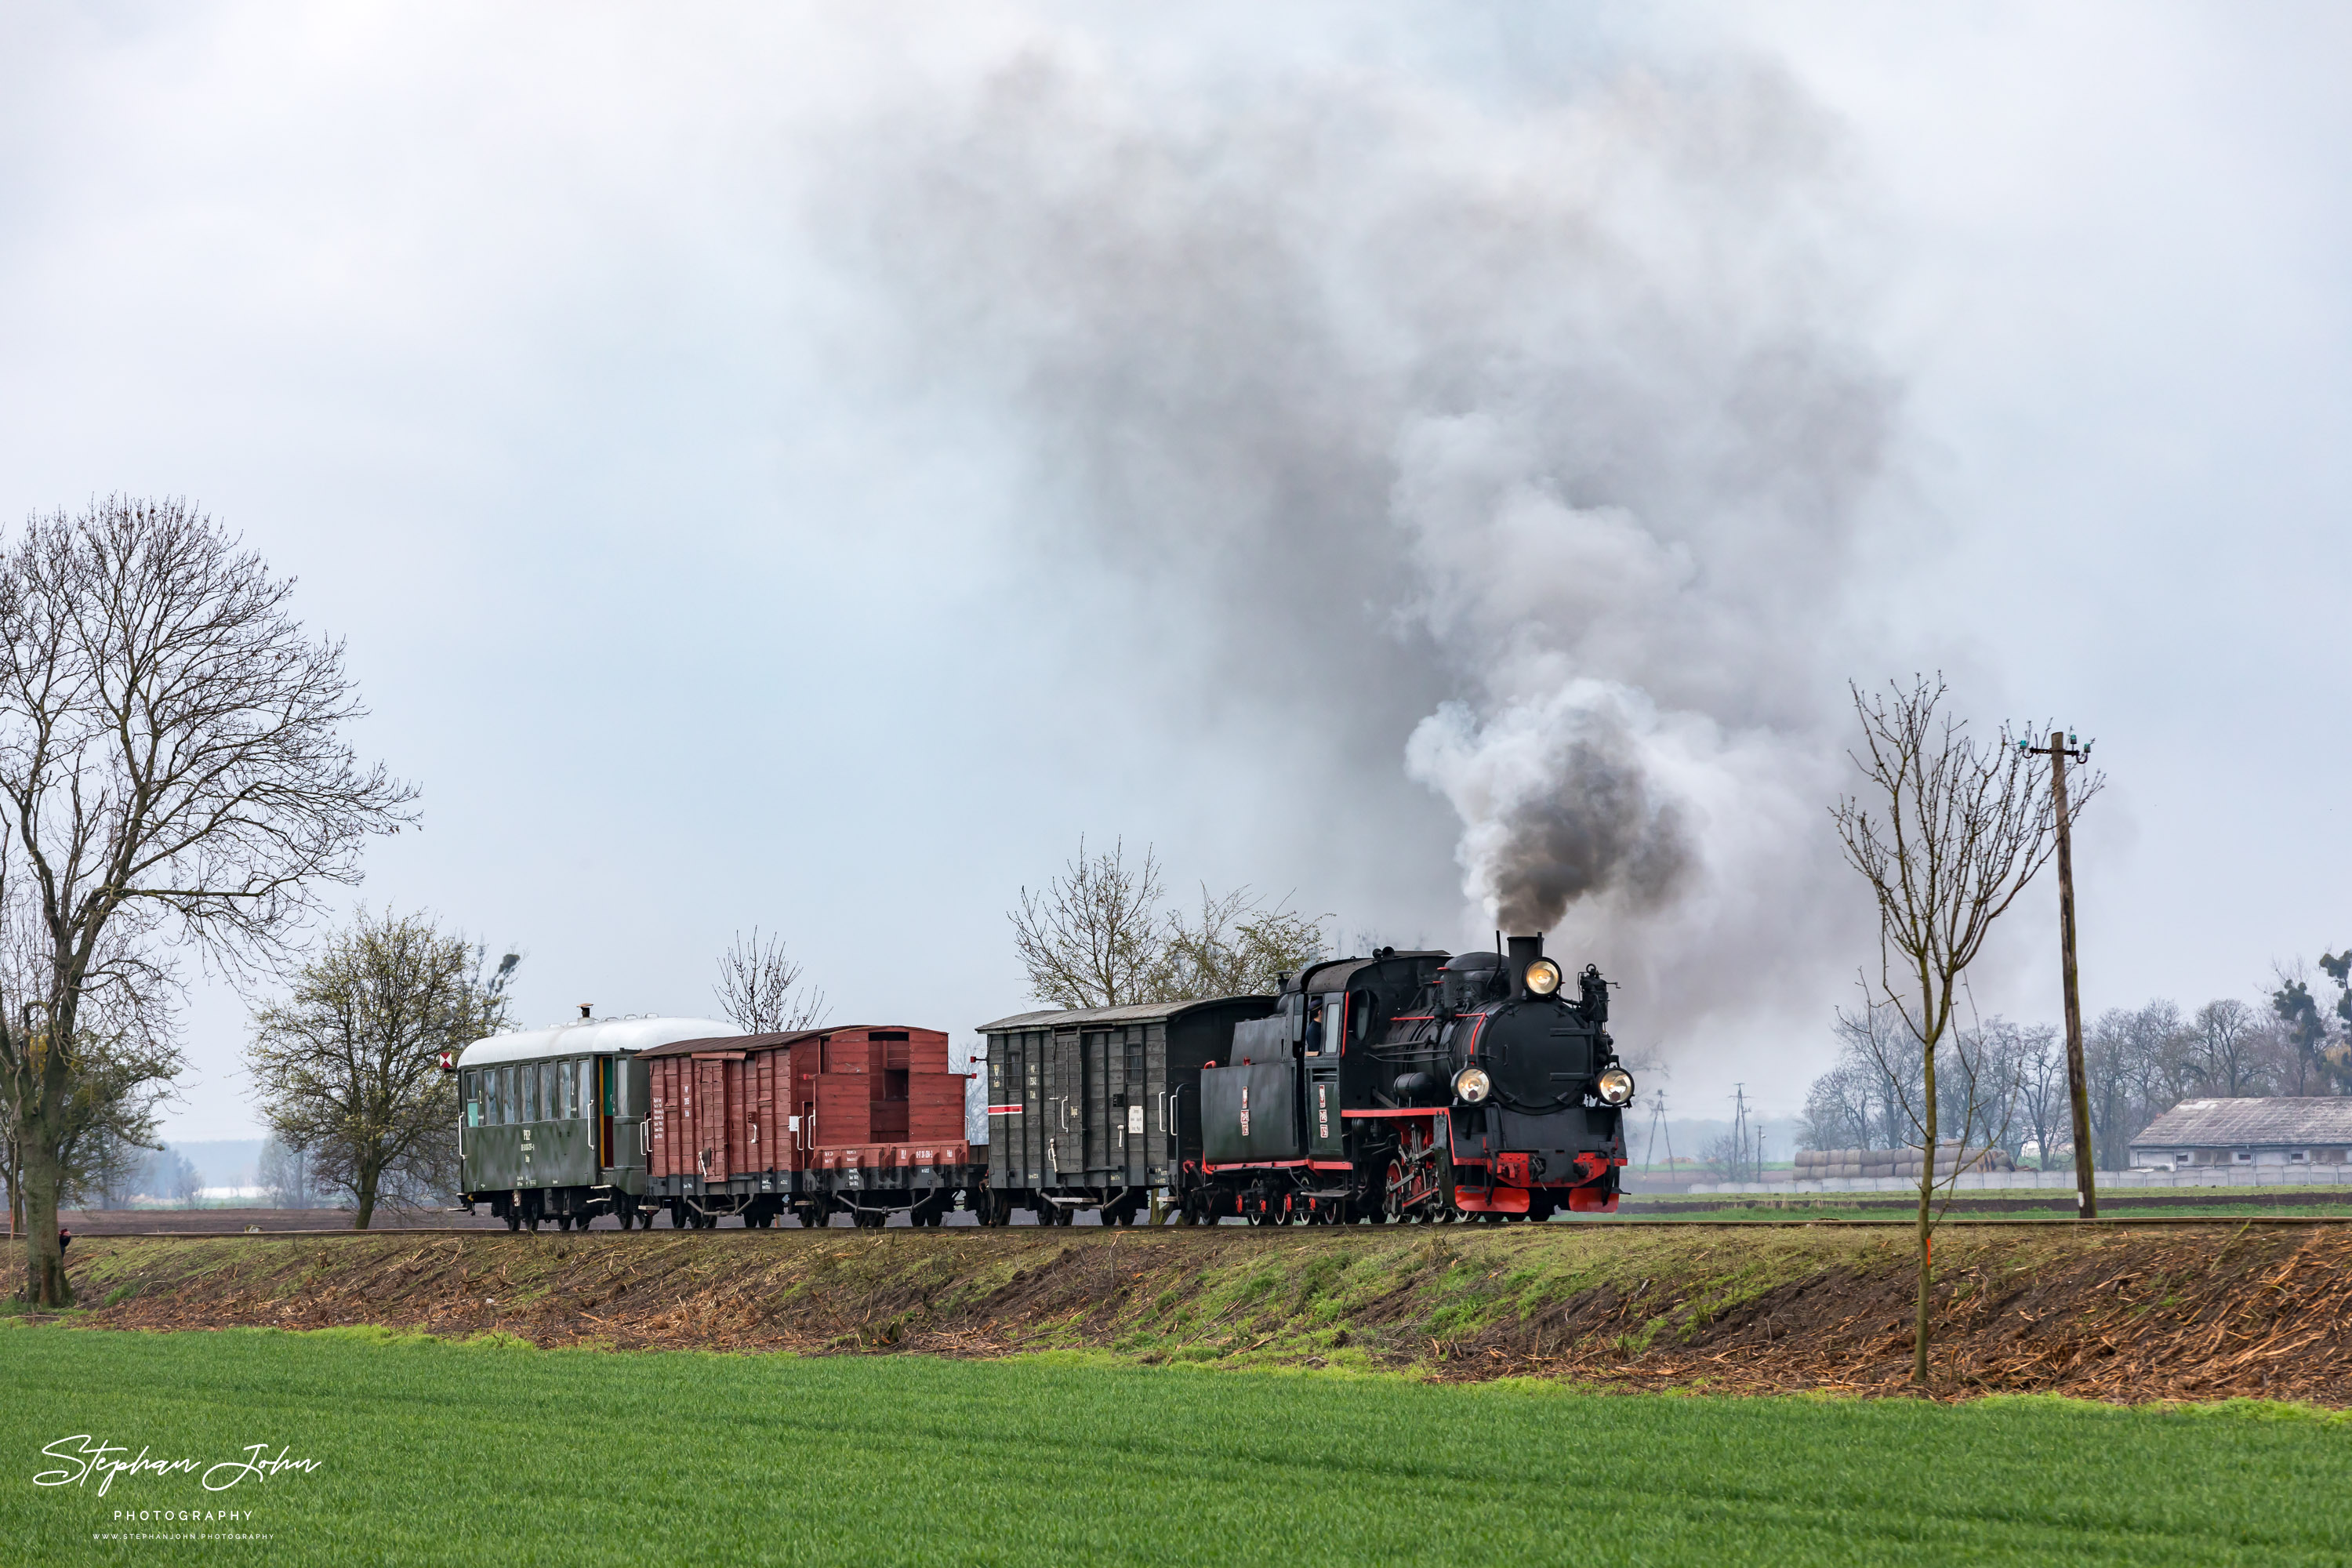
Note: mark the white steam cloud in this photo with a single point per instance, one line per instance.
(1526, 449)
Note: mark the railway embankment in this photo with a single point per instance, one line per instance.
(2185, 1312)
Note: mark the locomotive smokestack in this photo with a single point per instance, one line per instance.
(1524, 949)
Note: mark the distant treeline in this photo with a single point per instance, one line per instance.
(2006, 1082)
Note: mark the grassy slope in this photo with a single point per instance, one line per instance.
(2183, 1313)
(436, 1451)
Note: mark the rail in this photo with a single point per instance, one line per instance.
(2103, 1222)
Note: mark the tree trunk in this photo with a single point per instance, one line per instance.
(366, 1194)
(44, 1270)
(1927, 1250)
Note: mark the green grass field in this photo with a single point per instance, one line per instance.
(439, 1452)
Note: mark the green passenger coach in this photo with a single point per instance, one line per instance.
(552, 1122)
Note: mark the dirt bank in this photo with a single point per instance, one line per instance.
(2184, 1313)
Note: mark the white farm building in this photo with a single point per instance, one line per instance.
(2275, 1131)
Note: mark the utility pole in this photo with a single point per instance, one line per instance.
(2061, 750)
(1739, 1130)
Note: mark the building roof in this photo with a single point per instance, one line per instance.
(588, 1037)
(1139, 1013)
(2277, 1122)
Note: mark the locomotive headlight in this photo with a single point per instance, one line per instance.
(1472, 1085)
(1543, 977)
(1615, 1085)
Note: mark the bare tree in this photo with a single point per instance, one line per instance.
(2318, 1059)
(1094, 936)
(759, 988)
(2044, 1109)
(1236, 946)
(173, 767)
(283, 1176)
(1950, 832)
(348, 1068)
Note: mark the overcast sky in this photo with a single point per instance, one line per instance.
(807, 465)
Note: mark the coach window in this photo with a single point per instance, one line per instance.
(474, 1099)
(587, 1082)
(508, 1104)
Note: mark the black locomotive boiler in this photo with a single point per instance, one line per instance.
(1408, 1086)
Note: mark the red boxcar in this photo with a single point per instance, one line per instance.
(865, 1120)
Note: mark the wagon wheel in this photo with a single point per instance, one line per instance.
(514, 1220)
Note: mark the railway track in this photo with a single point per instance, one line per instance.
(1960, 1221)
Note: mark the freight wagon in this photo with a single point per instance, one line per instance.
(1093, 1109)
(863, 1120)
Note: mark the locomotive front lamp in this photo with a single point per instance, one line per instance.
(1615, 1085)
(1543, 977)
(1472, 1085)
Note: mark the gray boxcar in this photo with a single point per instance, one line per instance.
(1098, 1108)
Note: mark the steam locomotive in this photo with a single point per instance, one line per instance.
(1405, 1086)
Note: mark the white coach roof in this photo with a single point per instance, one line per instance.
(591, 1036)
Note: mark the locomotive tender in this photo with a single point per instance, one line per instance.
(1407, 1086)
